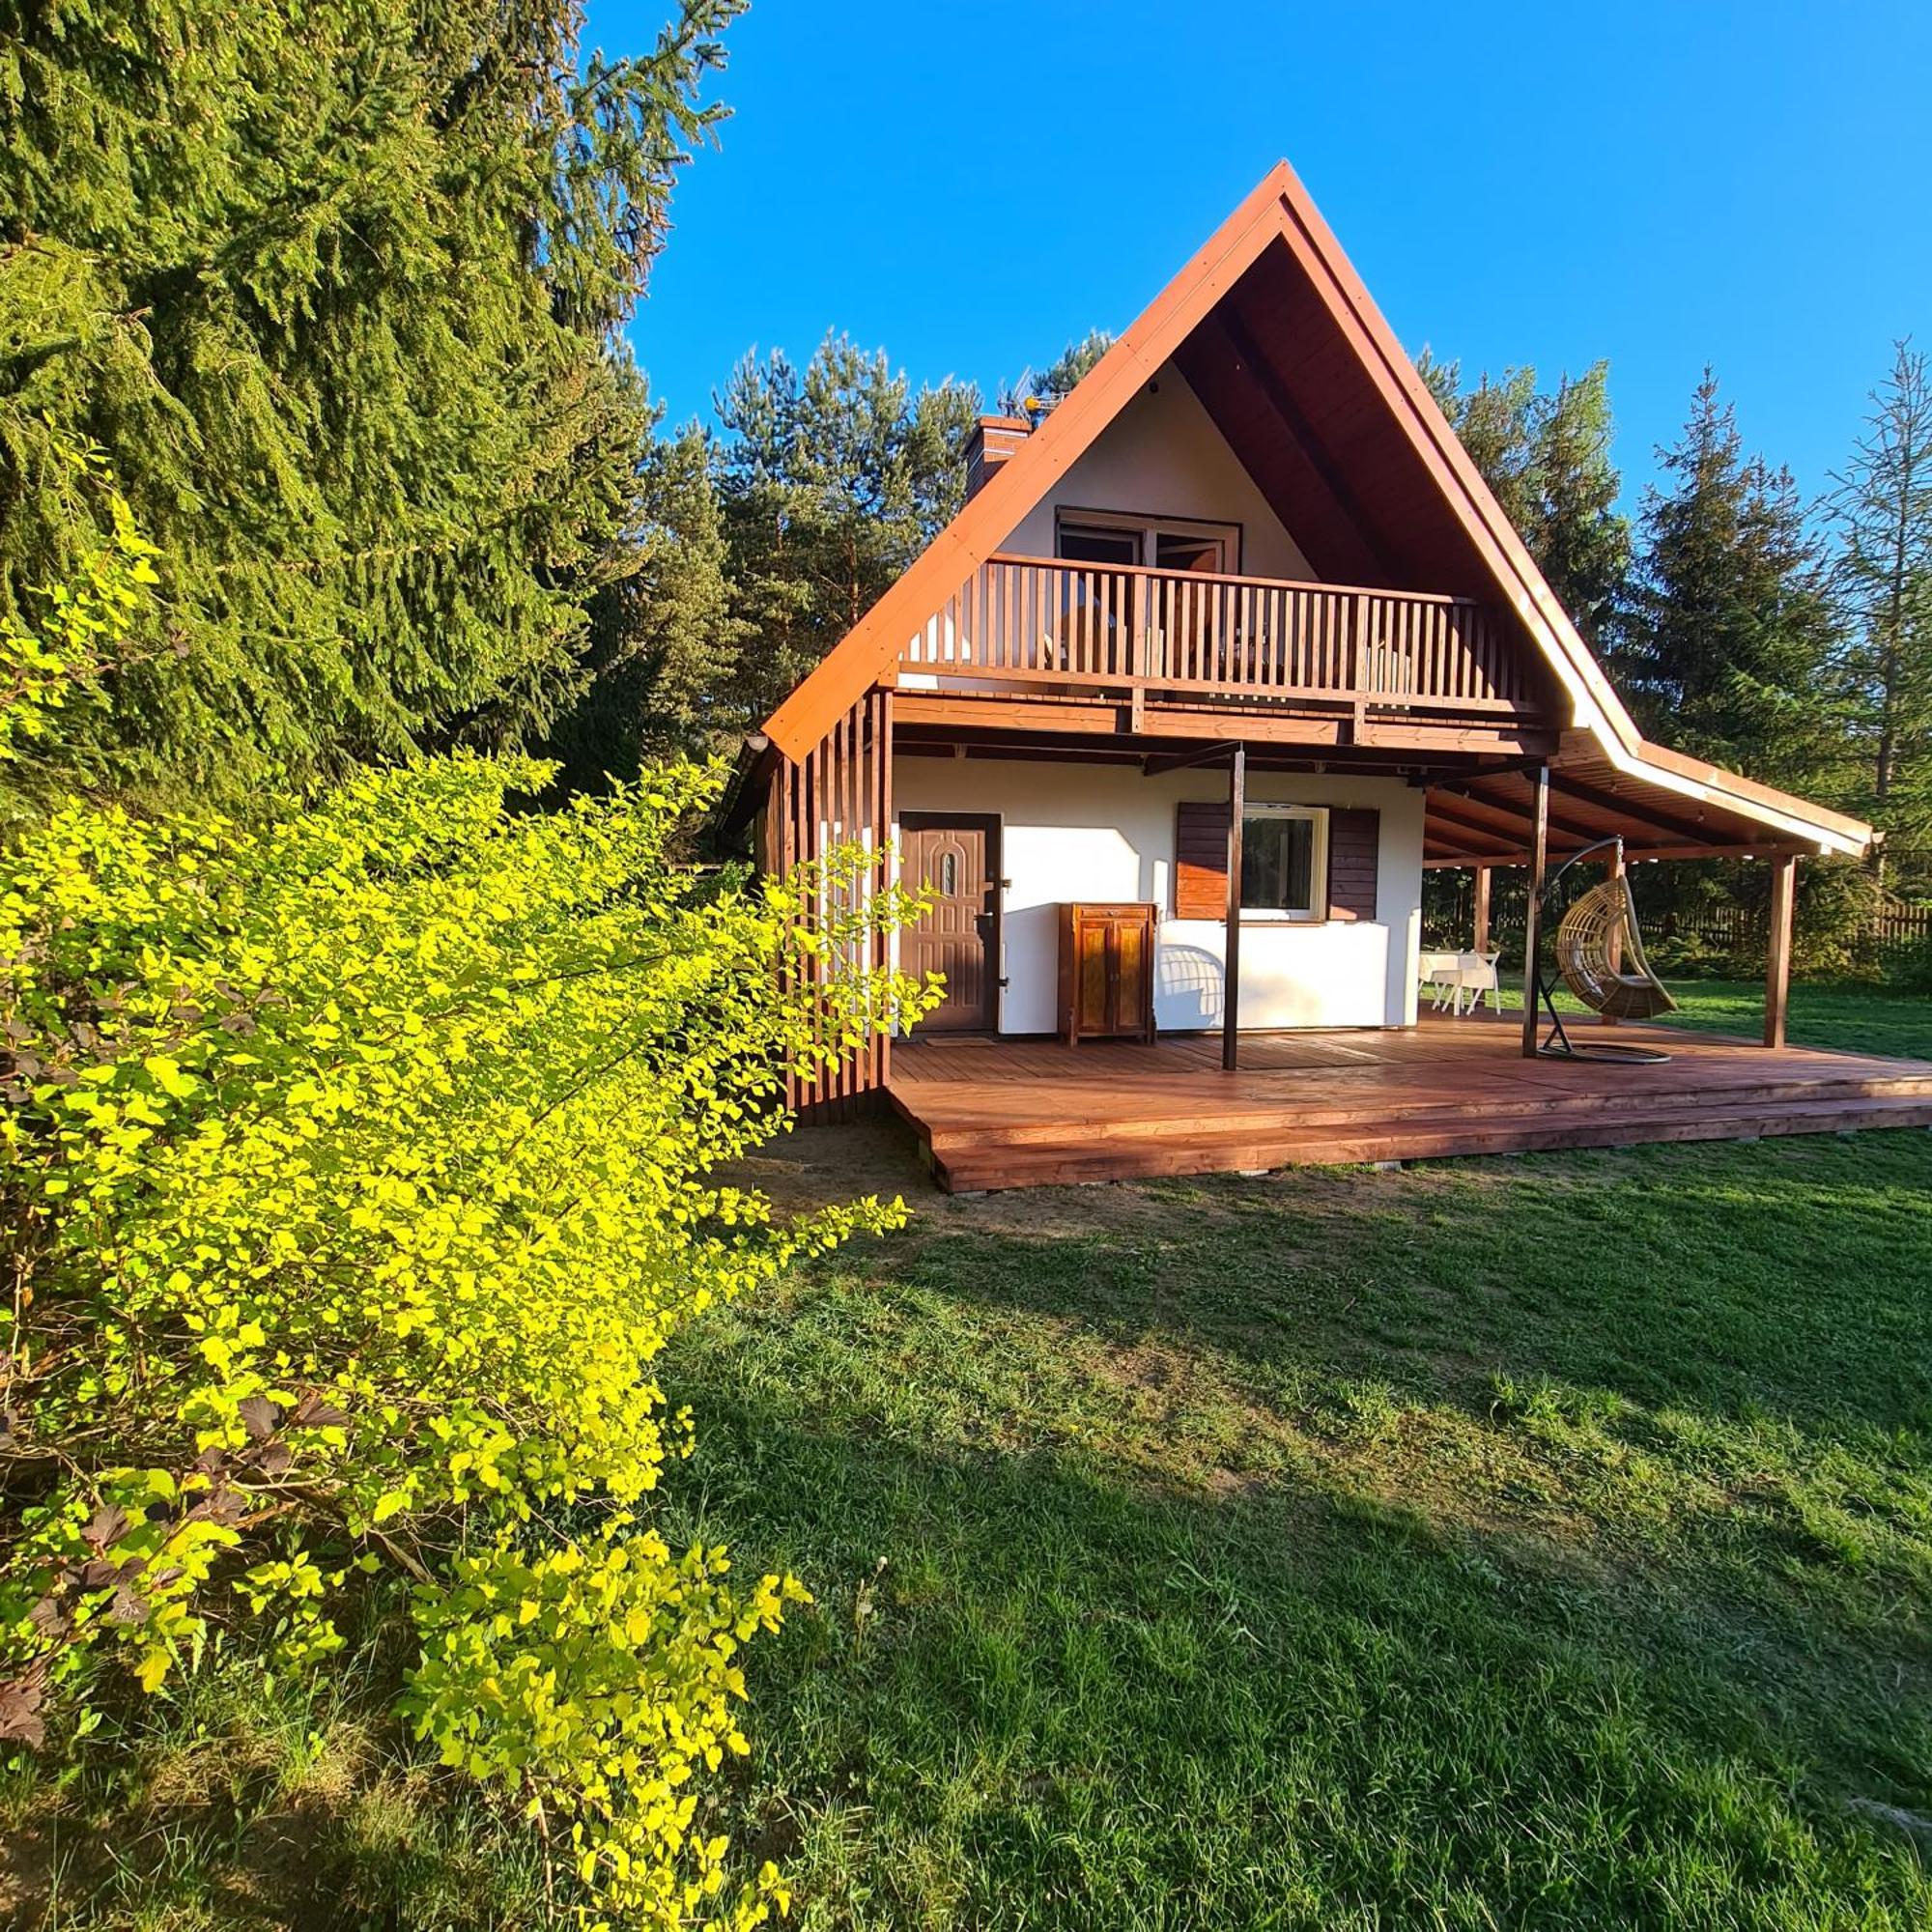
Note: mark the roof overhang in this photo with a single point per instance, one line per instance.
(1271, 293)
(751, 771)
(1662, 806)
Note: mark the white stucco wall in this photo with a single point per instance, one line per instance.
(1097, 831)
(1163, 457)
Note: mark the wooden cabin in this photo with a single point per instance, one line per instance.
(1220, 655)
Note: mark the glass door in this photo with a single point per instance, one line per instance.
(1097, 604)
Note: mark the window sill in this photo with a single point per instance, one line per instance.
(1262, 921)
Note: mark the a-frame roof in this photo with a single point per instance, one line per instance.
(1267, 314)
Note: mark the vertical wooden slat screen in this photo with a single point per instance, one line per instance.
(840, 793)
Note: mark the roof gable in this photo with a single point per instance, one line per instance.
(1280, 340)
(1272, 270)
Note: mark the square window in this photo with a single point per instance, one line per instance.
(1284, 853)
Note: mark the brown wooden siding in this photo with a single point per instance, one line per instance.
(1354, 857)
(1201, 859)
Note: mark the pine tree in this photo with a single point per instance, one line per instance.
(1731, 630)
(337, 288)
(1880, 516)
(833, 479)
(1546, 456)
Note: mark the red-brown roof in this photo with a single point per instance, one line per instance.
(1276, 335)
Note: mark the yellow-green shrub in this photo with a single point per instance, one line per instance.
(361, 1166)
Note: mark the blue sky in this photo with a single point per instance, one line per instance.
(972, 187)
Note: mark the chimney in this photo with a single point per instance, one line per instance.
(994, 438)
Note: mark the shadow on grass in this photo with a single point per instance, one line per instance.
(1787, 1277)
(246, 1802)
(1540, 1543)
(1030, 1694)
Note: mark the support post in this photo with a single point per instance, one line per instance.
(1482, 932)
(1532, 920)
(1778, 946)
(886, 843)
(1230, 996)
(1614, 954)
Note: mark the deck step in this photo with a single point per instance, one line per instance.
(1424, 1136)
(1268, 1116)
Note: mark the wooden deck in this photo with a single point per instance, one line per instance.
(1025, 1112)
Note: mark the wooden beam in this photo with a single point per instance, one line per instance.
(1155, 763)
(1017, 713)
(1482, 934)
(1231, 999)
(1518, 811)
(1563, 849)
(1777, 948)
(1233, 331)
(1440, 857)
(960, 711)
(1702, 840)
(1689, 830)
(932, 741)
(1503, 741)
(1477, 821)
(1532, 924)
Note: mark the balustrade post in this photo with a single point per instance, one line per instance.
(1138, 640)
(1358, 681)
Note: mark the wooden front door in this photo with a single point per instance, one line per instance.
(955, 856)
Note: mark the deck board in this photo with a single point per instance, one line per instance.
(1016, 1113)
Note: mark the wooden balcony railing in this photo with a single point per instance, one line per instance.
(1030, 620)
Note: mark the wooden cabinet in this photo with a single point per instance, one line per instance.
(1106, 972)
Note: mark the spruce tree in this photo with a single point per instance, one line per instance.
(664, 639)
(1581, 540)
(1731, 632)
(1880, 516)
(1546, 456)
(337, 288)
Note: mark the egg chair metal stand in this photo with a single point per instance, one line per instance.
(1599, 957)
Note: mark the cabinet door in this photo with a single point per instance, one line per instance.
(1131, 967)
(1092, 974)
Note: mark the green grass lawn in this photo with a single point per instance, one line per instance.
(1531, 1542)
(1540, 1542)
(1853, 1018)
(1859, 1019)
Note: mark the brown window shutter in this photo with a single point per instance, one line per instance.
(1354, 839)
(1201, 860)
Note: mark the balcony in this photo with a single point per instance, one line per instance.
(1043, 627)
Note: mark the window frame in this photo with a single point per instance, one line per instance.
(1318, 816)
(1146, 529)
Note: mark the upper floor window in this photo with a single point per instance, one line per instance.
(1166, 542)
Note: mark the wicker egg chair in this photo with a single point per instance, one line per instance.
(1599, 954)
(1597, 931)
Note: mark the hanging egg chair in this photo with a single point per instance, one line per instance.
(1599, 954)
(1597, 932)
